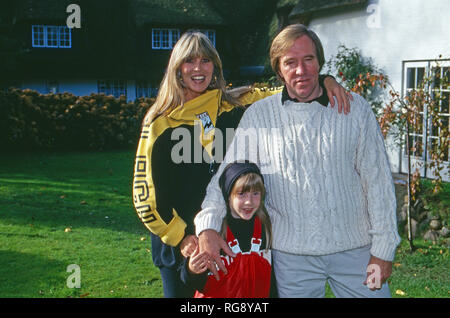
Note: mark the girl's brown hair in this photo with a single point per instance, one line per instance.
(250, 182)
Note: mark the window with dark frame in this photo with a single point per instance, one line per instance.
(52, 86)
(51, 36)
(145, 89)
(211, 34)
(164, 39)
(115, 88)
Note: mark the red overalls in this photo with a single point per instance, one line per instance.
(248, 273)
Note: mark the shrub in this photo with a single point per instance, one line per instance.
(30, 120)
(360, 75)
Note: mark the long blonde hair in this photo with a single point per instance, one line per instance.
(171, 91)
(250, 182)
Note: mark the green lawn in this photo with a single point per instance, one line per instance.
(63, 209)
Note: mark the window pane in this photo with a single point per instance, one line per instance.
(113, 87)
(156, 39)
(52, 36)
(143, 89)
(212, 37)
(445, 103)
(445, 122)
(119, 88)
(417, 126)
(435, 146)
(52, 87)
(175, 37)
(420, 76)
(104, 88)
(165, 39)
(410, 77)
(415, 144)
(122, 89)
(437, 76)
(413, 94)
(65, 38)
(435, 130)
(116, 89)
(446, 77)
(38, 35)
(211, 34)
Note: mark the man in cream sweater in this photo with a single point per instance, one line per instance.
(330, 193)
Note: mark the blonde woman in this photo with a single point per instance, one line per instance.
(184, 134)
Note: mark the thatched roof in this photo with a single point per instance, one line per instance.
(310, 6)
(37, 10)
(146, 11)
(287, 3)
(176, 12)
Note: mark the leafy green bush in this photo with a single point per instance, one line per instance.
(437, 203)
(360, 75)
(30, 120)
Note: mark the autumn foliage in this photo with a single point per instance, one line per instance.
(400, 115)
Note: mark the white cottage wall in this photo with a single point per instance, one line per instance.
(390, 32)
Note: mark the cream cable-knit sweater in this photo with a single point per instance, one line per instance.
(327, 176)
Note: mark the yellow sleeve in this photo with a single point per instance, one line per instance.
(149, 174)
(258, 93)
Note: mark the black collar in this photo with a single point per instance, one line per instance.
(322, 99)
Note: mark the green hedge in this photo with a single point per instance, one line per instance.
(30, 120)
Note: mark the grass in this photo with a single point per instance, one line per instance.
(76, 208)
(62, 209)
(424, 273)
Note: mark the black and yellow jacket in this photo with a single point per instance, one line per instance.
(174, 162)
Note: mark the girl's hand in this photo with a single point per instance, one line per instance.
(188, 245)
(334, 89)
(198, 262)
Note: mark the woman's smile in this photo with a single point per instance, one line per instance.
(196, 74)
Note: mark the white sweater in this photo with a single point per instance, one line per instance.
(327, 176)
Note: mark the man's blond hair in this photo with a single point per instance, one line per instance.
(286, 38)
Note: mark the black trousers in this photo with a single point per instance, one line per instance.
(168, 259)
(172, 285)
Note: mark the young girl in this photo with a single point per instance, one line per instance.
(247, 230)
